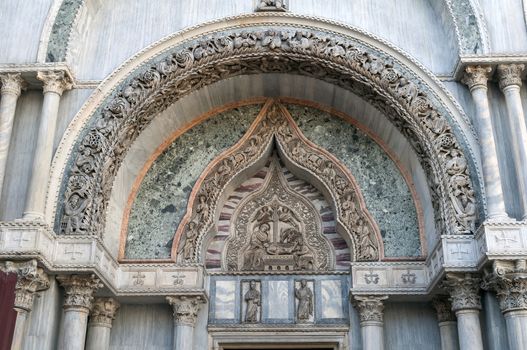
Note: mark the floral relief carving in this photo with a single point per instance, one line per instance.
(185, 308)
(30, 280)
(464, 290)
(274, 123)
(79, 290)
(103, 312)
(329, 57)
(370, 307)
(510, 74)
(443, 308)
(509, 280)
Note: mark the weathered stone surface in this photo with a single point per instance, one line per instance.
(162, 198)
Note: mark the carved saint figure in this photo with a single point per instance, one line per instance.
(190, 240)
(257, 248)
(252, 298)
(72, 222)
(305, 302)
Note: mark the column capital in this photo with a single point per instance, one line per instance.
(12, 83)
(185, 308)
(370, 307)
(103, 312)
(509, 280)
(476, 76)
(464, 290)
(79, 290)
(510, 75)
(55, 81)
(30, 279)
(443, 308)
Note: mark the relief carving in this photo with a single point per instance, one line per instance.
(271, 5)
(253, 303)
(304, 309)
(337, 60)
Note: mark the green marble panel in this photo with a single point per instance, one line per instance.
(162, 198)
(384, 189)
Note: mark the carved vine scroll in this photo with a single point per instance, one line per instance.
(339, 60)
(275, 124)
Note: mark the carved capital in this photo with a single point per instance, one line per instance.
(30, 279)
(56, 82)
(103, 312)
(476, 76)
(370, 307)
(464, 290)
(443, 308)
(510, 74)
(12, 83)
(509, 280)
(185, 308)
(79, 290)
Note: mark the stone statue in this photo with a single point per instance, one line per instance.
(305, 302)
(190, 240)
(252, 298)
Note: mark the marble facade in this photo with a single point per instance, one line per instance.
(277, 174)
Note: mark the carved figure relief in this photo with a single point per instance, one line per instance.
(253, 303)
(277, 229)
(271, 5)
(373, 75)
(271, 234)
(305, 303)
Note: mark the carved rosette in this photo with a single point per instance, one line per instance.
(327, 56)
(12, 83)
(30, 280)
(103, 312)
(463, 290)
(275, 122)
(55, 81)
(185, 308)
(510, 74)
(509, 280)
(476, 76)
(370, 307)
(79, 290)
(443, 307)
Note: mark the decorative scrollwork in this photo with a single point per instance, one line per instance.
(332, 58)
(274, 123)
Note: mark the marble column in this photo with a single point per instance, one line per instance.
(370, 308)
(55, 83)
(509, 280)
(447, 323)
(185, 315)
(466, 303)
(510, 81)
(475, 78)
(12, 85)
(101, 317)
(77, 303)
(30, 280)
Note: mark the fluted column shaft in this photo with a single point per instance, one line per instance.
(30, 280)
(185, 315)
(100, 325)
(78, 300)
(509, 76)
(371, 317)
(12, 85)
(476, 79)
(54, 84)
(466, 303)
(447, 323)
(509, 281)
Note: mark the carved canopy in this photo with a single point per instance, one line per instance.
(275, 125)
(339, 60)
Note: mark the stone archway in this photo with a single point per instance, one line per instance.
(328, 56)
(275, 125)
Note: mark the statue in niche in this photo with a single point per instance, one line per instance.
(252, 298)
(304, 295)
